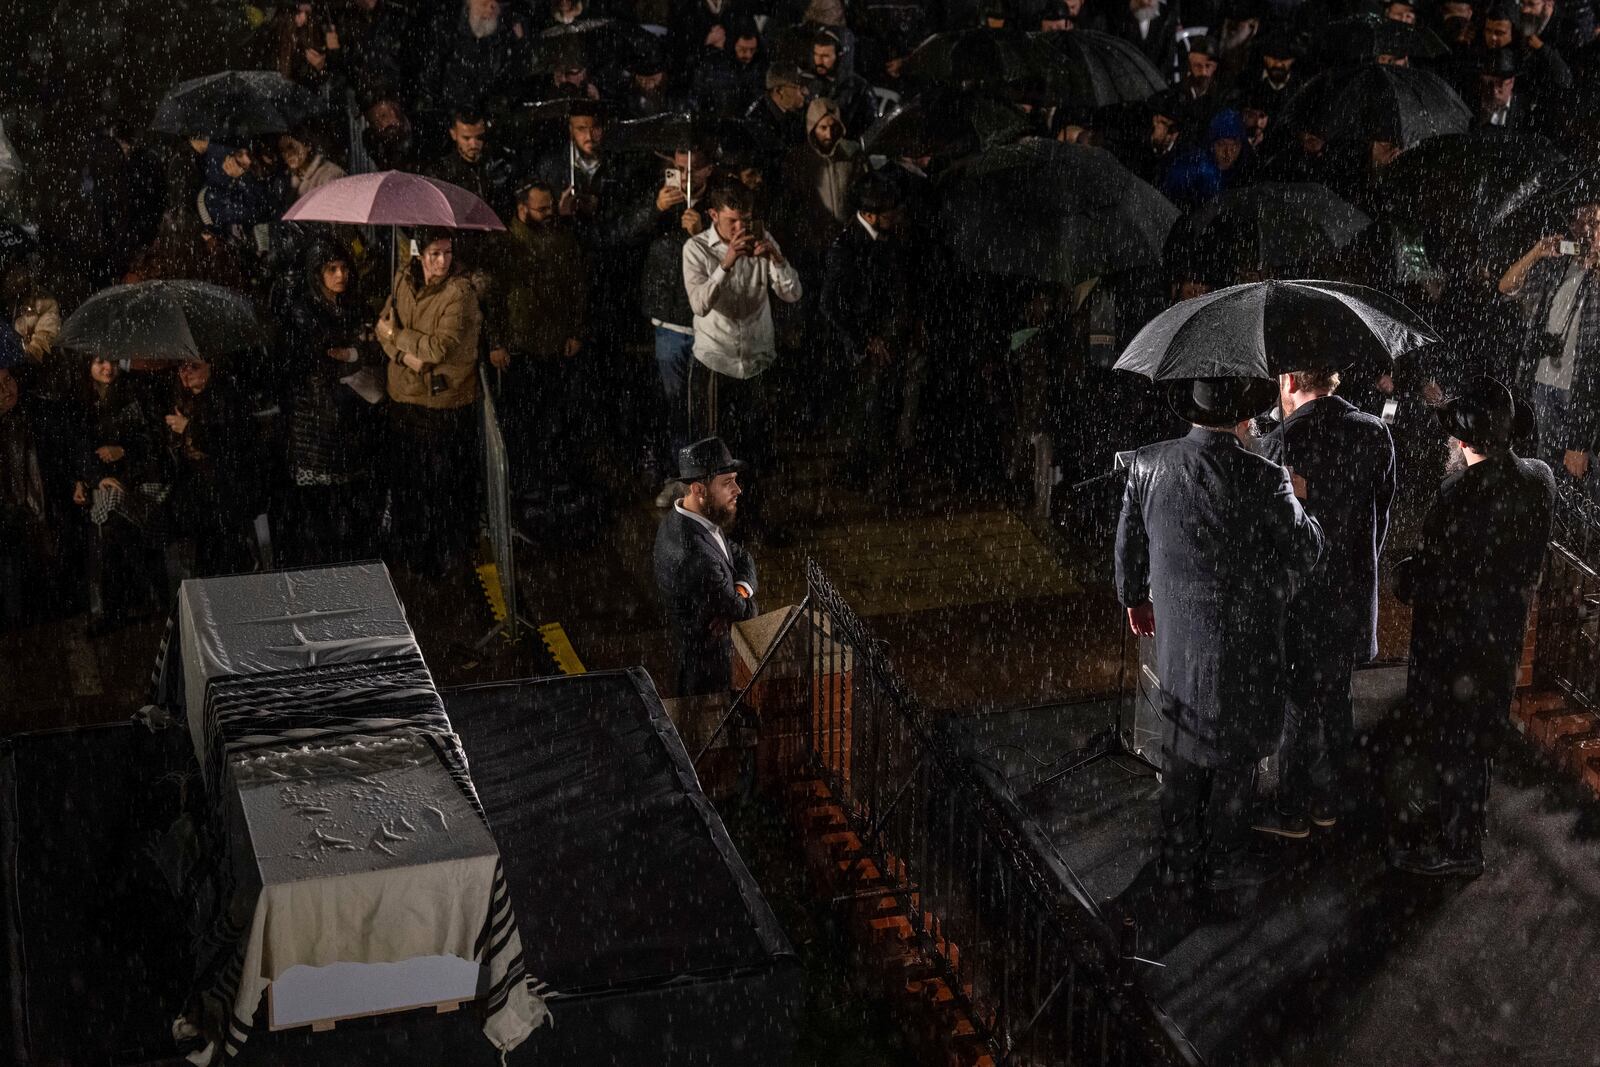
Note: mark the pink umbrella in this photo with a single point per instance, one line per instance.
(394, 198)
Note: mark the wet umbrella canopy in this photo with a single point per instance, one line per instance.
(675, 130)
(1377, 102)
(1463, 191)
(1366, 36)
(1276, 226)
(1263, 329)
(1052, 212)
(174, 321)
(394, 198)
(1093, 69)
(943, 120)
(980, 57)
(234, 107)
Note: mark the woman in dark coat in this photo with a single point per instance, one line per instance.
(330, 512)
(216, 472)
(120, 482)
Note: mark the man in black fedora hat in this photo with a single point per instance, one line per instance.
(707, 583)
(1469, 584)
(1210, 543)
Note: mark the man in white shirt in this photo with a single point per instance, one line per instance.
(728, 272)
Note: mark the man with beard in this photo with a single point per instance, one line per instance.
(386, 141)
(780, 115)
(477, 54)
(817, 179)
(540, 333)
(1197, 93)
(706, 582)
(1210, 543)
(848, 90)
(728, 81)
(1569, 25)
(1346, 459)
(647, 92)
(471, 164)
(1276, 73)
(1469, 583)
(1542, 67)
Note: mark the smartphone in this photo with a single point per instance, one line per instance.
(758, 229)
(673, 178)
(1569, 248)
(1391, 408)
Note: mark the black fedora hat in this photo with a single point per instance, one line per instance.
(1219, 402)
(1483, 415)
(705, 459)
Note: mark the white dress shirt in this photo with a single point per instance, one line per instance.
(732, 315)
(716, 535)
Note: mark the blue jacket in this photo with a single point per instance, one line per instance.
(1212, 534)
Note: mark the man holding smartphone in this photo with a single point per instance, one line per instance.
(728, 272)
(1556, 283)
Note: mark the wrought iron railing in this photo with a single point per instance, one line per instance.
(1567, 627)
(1044, 978)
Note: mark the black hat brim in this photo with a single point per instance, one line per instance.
(1254, 397)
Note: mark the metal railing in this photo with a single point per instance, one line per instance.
(1043, 977)
(1567, 629)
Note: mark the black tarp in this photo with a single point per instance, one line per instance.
(632, 901)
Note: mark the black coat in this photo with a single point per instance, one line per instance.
(1469, 584)
(1347, 459)
(866, 289)
(697, 583)
(467, 71)
(1212, 534)
(329, 427)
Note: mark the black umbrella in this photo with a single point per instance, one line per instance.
(1276, 226)
(162, 320)
(946, 120)
(1377, 102)
(1053, 212)
(979, 57)
(1462, 190)
(596, 41)
(1091, 69)
(234, 107)
(672, 130)
(1263, 329)
(1364, 37)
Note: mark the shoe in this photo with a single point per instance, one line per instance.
(670, 494)
(1293, 825)
(1324, 813)
(1436, 861)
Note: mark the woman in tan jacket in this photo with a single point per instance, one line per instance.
(429, 331)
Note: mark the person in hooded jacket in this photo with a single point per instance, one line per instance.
(818, 176)
(331, 429)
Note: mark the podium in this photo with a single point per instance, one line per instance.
(805, 697)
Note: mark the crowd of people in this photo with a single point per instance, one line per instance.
(763, 274)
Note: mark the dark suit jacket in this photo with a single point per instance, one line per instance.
(1347, 459)
(1213, 535)
(1469, 584)
(697, 586)
(866, 290)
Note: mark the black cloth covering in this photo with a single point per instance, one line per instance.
(632, 901)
